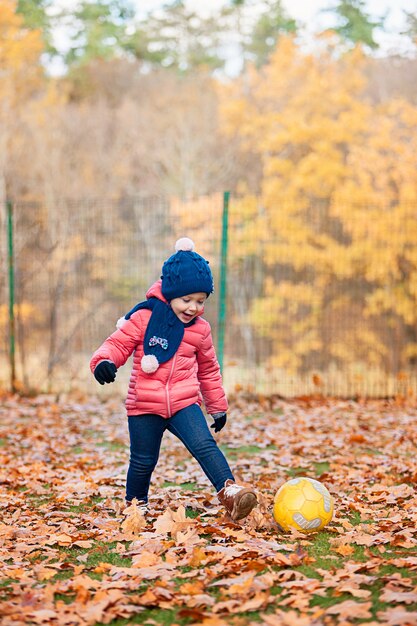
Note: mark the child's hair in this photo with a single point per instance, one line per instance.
(185, 272)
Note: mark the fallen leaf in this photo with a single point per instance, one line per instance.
(83, 544)
(395, 596)
(398, 617)
(290, 618)
(134, 521)
(43, 616)
(351, 609)
(345, 549)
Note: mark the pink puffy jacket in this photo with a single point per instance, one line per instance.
(192, 375)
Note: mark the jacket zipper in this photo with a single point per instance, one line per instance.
(166, 386)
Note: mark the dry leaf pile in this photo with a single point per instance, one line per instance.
(71, 556)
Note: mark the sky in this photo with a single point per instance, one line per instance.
(309, 13)
(308, 10)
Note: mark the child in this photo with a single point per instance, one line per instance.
(174, 368)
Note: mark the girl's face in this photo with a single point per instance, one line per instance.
(186, 308)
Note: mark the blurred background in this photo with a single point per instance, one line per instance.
(123, 124)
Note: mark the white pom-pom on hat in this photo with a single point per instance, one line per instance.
(121, 322)
(149, 363)
(185, 243)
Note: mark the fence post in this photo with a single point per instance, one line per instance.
(223, 280)
(12, 325)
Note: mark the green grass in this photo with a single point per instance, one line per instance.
(90, 432)
(164, 617)
(321, 467)
(111, 446)
(374, 451)
(235, 453)
(67, 599)
(7, 582)
(77, 450)
(318, 546)
(255, 416)
(64, 574)
(85, 507)
(183, 486)
(330, 600)
(325, 558)
(37, 500)
(294, 472)
(355, 519)
(315, 469)
(333, 597)
(100, 552)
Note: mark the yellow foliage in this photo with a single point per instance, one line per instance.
(24, 312)
(339, 191)
(199, 218)
(20, 50)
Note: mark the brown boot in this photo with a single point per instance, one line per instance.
(238, 501)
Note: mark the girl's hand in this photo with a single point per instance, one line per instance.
(220, 420)
(105, 372)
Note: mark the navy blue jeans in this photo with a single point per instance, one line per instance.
(190, 426)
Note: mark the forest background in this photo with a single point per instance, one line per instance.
(137, 138)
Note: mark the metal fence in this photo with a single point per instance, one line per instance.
(295, 324)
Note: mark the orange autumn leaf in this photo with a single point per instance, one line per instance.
(192, 588)
(349, 608)
(198, 556)
(398, 617)
(134, 521)
(146, 559)
(290, 618)
(345, 549)
(62, 540)
(206, 567)
(357, 438)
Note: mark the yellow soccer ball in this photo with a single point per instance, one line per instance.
(303, 504)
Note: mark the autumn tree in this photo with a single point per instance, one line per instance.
(100, 159)
(180, 38)
(172, 36)
(20, 80)
(329, 180)
(354, 24)
(270, 22)
(100, 30)
(381, 193)
(36, 16)
(20, 76)
(411, 29)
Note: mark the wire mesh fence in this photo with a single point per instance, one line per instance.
(314, 304)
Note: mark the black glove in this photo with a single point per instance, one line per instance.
(220, 420)
(105, 372)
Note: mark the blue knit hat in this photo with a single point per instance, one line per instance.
(185, 272)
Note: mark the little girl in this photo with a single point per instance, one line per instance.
(174, 368)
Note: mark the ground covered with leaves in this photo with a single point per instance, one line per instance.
(69, 556)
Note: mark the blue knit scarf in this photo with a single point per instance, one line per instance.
(164, 331)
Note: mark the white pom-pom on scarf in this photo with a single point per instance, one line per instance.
(121, 322)
(185, 243)
(149, 363)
